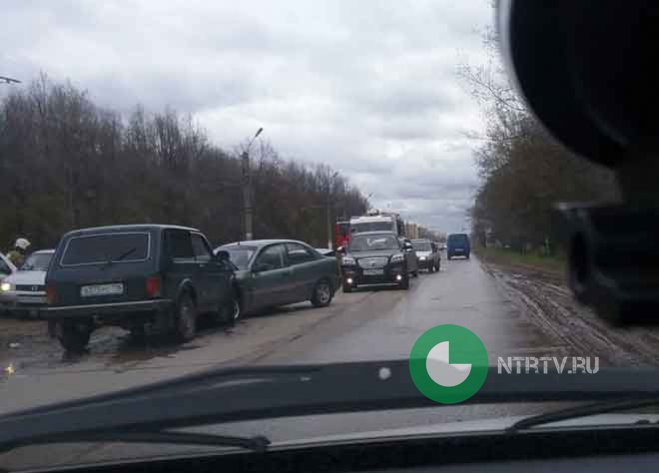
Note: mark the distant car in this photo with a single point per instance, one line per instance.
(458, 245)
(378, 258)
(7, 268)
(279, 272)
(132, 276)
(24, 292)
(427, 254)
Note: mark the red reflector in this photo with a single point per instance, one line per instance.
(51, 294)
(153, 286)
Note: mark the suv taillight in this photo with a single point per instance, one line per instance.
(51, 294)
(154, 286)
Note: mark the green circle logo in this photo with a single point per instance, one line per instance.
(448, 364)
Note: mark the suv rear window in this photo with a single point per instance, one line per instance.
(458, 238)
(104, 248)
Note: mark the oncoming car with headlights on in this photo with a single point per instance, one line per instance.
(428, 254)
(378, 258)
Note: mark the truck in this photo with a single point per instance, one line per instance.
(375, 221)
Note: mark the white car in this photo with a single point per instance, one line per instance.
(24, 292)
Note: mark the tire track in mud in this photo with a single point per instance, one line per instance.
(553, 310)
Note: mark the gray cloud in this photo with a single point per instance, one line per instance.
(368, 87)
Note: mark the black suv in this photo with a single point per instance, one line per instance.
(378, 258)
(134, 275)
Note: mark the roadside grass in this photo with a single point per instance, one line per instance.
(501, 256)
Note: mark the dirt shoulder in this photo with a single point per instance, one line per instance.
(541, 295)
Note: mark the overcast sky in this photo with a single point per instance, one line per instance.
(368, 87)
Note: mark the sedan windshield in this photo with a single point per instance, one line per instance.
(421, 245)
(240, 255)
(370, 227)
(373, 243)
(37, 262)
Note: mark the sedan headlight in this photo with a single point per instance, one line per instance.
(348, 261)
(5, 287)
(422, 258)
(397, 258)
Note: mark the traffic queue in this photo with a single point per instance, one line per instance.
(163, 278)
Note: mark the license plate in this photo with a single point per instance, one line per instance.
(102, 290)
(373, 272)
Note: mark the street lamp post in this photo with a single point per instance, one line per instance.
(247, 188)
(329, 209)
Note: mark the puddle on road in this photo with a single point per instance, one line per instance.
(26, 347)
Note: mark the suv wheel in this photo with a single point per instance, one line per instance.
(405, 283)
(185, 318)
(322, 294)
(431, 268)
(73, 336)
(138, 333)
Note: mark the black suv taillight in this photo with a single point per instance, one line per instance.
(154, 286)
(51, 294)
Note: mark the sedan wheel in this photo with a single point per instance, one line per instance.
(322, 294)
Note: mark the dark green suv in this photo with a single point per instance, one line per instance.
(134, 276)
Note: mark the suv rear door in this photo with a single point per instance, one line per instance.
(103, 267)
(214, 280)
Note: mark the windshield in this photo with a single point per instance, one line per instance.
(421, 245)
(373, 243)
(240, 255)
(370, 227)
(139, 138)
(37, 262)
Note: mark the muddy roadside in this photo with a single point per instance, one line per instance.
(542, 296)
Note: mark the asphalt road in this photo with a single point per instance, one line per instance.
(366, 325)
(513, 314)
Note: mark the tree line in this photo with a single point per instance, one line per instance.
(523, 171)
(69, 163)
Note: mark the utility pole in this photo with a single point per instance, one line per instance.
(247, 188)
(329, 210)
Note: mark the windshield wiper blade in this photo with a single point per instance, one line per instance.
(580, 411)
(257, 443)
(125, 254)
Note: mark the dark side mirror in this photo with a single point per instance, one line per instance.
(407, 246)
(222, 255)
